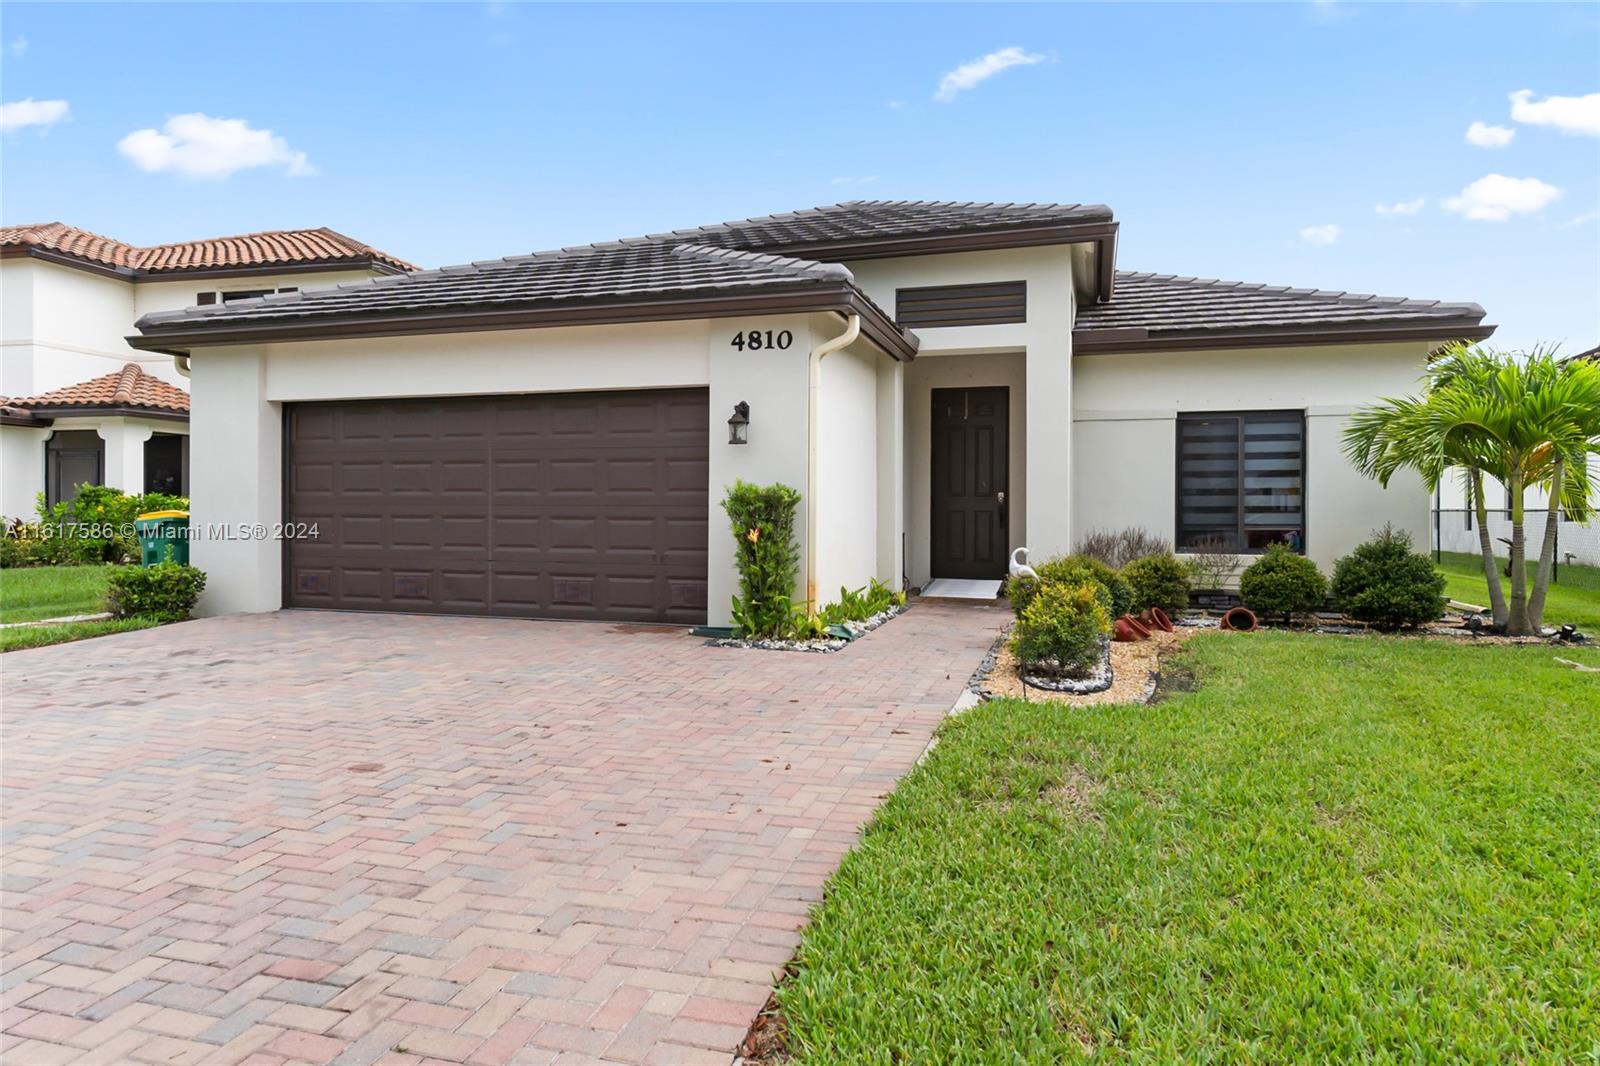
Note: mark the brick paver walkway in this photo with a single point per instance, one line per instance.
(307, 837)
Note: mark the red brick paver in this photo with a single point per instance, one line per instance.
(342, 838)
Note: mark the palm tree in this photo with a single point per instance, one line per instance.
(1524, 420)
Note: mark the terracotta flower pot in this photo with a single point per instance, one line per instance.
(1129, 628)
(1156, 618)
(1240, 620)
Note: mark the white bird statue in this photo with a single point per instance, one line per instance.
(1019, 565)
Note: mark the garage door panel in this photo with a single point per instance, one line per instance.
(588, 505)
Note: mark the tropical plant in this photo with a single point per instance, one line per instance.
(1159, 581)
(1063, 629)
(767, 556)
(1283, 582)
(1523, 420)
(1118, 548)
(1387, 585)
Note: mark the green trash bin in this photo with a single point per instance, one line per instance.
(163, 536)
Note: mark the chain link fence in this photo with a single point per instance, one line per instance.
(1577, 543)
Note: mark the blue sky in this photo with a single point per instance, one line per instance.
(1228, 139)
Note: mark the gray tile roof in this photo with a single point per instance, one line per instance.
(620, 271)
(862, 220)
(1164, 303)
(772, 255)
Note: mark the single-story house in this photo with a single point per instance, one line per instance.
(551, 435)
(77, 404)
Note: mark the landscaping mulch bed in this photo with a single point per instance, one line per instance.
(1135, 666)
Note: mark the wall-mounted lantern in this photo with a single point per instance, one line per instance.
(739, 424)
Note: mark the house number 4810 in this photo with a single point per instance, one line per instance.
(753, 340)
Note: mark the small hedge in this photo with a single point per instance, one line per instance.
(1063, 630)
(1387, 585)
(762, 520)
(1160, 580)
(1283, 583)
(1072, 570)
(166, 592)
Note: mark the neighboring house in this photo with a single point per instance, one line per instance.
(545, 435)
(1455, 528)
(77, 403)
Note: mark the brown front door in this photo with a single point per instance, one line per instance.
(970, 486)
(573, 505)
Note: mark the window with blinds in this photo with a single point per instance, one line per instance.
(1241, 481)
(962, 305)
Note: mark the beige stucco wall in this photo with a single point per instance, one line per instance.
(1124, 428)
(236, 474)
(847, 471)
(1032, 358)
(62, 325)
(21, 469)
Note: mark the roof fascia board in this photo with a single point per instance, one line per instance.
(50, 255)
(843, 297)
(971, 241)
(26, 421)
(1112, 341)
(90, 410)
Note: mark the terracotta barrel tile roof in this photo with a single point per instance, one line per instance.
(60, 237)
(128, 387)
(273, 248)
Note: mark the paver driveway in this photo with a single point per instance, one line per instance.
(333, 837)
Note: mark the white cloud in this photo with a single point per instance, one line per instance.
(30, 112)
(1320, 235)
(897, 105)
(1402, 207)
(970, 75)
(1581, 220)
(1569, 114)
(859, 179)
(18, 45)
(199, 146)
(1495, 198)
(1484, 135)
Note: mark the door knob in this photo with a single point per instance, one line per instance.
(1000, 499)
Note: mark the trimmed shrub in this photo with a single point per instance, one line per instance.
(1387, 585)
(1120, 547)
(96, 526)
(1072, 570)
(1063, 630)
(166, 591)
(768, 558)
(1283, 583)
(1158, 581)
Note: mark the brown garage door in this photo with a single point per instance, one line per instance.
(571, 505)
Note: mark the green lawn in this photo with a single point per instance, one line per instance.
(38, 636)
(29, 593)
(1335, 848)
(1574, 598)
(34, 592)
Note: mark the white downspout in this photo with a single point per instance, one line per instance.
(852, 330)
(181, 362)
